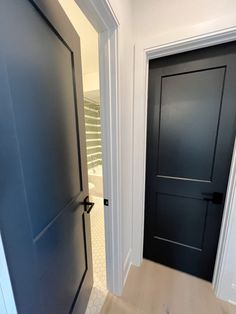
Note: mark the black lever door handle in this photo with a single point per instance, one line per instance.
(215, 197)
(88, 205)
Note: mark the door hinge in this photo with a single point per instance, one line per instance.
(106, 202)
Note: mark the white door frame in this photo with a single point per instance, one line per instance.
(145, 51)
(224, 276)
(7, 301)
(102, 17)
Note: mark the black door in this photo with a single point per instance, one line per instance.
(191, 131)
(43, 180)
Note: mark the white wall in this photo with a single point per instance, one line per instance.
(90, 81)
(123, 12)
(174, 19)
(89, 44)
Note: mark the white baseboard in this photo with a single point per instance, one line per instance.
(232, 302)
(126, 266)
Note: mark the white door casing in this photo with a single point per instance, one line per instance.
(224, 280)
(7, 302)
(145, 51)
(104, 20)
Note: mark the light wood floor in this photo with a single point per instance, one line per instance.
(153, 288)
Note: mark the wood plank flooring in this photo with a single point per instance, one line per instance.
(156, 289)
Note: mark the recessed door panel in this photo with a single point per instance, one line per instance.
(45, 119)
(180, 220)
(62, 267)
(190, 111)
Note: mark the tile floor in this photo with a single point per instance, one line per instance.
(99, 291)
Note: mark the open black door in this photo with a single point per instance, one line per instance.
(43, 222)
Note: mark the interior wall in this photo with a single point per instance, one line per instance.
(89, 44)
(175, 19)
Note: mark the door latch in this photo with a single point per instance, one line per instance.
(106, 202)
(215, 197)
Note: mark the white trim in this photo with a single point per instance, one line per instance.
(3, 309)
(7, 301)
(100, 14)
(226, 258)
(144, 51)
(111, 158)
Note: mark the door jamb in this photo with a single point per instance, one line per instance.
(145, 51)
(225, 261)
(104, 20)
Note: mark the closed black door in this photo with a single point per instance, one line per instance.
(43, 222)
(190, 137)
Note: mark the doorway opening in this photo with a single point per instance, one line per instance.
(95, 182)
(95, 178)
(89, 45)
(93, 131)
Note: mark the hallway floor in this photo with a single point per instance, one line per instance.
(156, 289)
